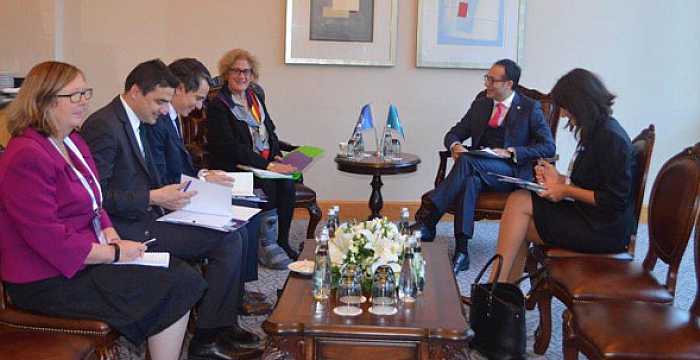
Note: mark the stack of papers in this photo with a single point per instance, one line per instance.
(529, 185)
(485, 152)
(266, 174)
(210, 208)
(242, 183)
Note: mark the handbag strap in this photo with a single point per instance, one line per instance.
(498, 269)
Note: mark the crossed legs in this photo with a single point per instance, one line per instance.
(516, 231)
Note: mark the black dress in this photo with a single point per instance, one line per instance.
(605, 166)
(137, 301)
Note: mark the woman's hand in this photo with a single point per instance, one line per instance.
(555, 192)
(219, 177)
(110, 234)
(547, 175)
(130, 250)
(281, 168)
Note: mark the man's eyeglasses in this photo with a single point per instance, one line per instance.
(76, 96)
(490, 79)
(244, 72)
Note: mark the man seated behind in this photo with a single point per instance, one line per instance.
(171, 159)
(511, 124)
(134, 197)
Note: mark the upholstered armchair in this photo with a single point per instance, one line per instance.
(195, 138)
(490, 205)
(541, 294)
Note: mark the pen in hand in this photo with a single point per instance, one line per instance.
(148, 242)
(187, 186)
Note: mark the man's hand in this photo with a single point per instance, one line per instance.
(281, 168)
(171, 197)
(457, 150)
(219, 177)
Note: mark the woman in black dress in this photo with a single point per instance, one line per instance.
(241, 132)
(589, 209)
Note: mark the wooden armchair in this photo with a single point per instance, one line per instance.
(24, 335)
(673, 208)
(490, 205)
(541, 295)
(195, 138)
(634, 330)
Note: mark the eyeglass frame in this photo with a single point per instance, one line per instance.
(490, 80)
(87, 94)
(245, 72)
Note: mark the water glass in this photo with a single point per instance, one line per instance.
(383, 292)
(396, 149)
(349, 295)
(343, 149)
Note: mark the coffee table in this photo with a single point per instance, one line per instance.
(433, 327)
(371, 164)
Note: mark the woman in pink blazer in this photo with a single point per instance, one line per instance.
(56, 242)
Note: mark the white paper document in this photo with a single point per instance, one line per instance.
(161, 259)
(211, 208)
(265, 174)
(242, 183)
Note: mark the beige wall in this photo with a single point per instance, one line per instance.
(645, 50)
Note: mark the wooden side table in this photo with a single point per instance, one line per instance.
(377, 166)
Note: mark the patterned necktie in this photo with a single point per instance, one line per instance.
(493, 122)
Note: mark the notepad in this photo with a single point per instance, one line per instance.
(242, 183)
(159, 259)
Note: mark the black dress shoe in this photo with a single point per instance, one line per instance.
(240, 337)
(221, 350)
(460, 262)
(427, 231)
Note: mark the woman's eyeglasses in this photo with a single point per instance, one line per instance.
(76, 96)
(245, 72)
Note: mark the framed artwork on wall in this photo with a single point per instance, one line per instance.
(469, 34)
(341, 32)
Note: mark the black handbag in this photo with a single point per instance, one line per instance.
(497, 316)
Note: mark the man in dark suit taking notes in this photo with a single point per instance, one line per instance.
(513, 127)
(135, 197)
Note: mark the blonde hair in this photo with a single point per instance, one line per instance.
(234, 55)
(38, 92)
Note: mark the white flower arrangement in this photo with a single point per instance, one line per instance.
(367, 244)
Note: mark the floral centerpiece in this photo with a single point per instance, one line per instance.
(368, 245)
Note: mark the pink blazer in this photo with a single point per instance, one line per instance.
(45, 212)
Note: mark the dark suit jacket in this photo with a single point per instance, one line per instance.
(170, 157)
(125, 178)
(605, 167)
(229, 139)
(526, 130)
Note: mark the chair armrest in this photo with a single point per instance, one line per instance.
(442, 167)
(25, 320)
(285, 146)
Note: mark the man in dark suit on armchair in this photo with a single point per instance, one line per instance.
(513, 126)
(134, 197)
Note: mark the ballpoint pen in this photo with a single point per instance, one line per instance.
(187, 186)
(149, 241)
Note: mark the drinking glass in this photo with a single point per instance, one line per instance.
(383, 292)
(349, 294)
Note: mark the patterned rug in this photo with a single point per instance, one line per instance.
(481, 248)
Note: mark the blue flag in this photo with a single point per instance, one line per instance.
(365, 120)
(392, 121)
